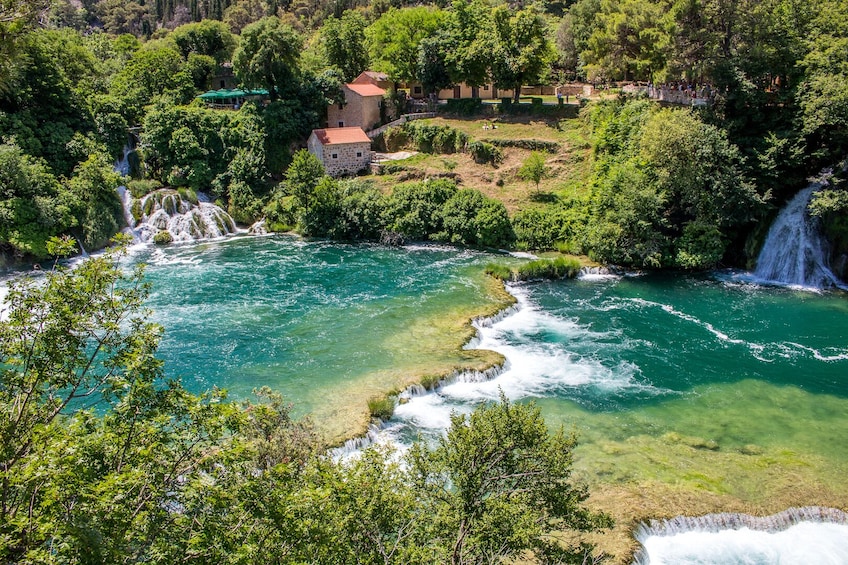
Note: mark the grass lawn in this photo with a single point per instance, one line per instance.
(569, 167)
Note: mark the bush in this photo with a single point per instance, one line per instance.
(139, 188)
(395, 139)
(381, 407)
(531, 144)
(430, 138)
(499, 271)
(464, 106)
(561, 267)
(483, 153)
(163, 237)
(391, 168)
(415, 210)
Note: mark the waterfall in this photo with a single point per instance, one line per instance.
(167, 212)
(164, 215)
(661, 544)
(795, 252)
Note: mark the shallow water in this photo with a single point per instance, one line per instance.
(326, 325)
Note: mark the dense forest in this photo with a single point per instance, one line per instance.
(669, 188)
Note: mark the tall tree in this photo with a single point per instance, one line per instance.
(344, 43)
(499, 484)
(394, 39)
(521, 50)
(208, 37)
(267, 56)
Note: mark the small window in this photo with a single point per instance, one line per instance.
(359, 153)
(341, 105)
(417, 90)
(341, 124)
(486, 88)
(335, 155)
(223, 84)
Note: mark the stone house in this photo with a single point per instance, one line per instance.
(342, 151)
(360, 109)
(374, 77)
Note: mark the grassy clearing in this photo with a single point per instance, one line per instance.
(569, 166)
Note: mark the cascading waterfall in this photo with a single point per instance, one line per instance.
(740, 538)
(795, 252)
(165, 211)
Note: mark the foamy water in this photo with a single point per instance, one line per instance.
(807, 542)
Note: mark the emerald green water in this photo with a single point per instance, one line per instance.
(708, 384)
(326, 325)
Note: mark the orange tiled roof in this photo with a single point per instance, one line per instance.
(366, 89)
(338, 136)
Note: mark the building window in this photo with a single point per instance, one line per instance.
(341, 124)
(223, 84)
(417, 90)
(359, 153)
(341, 105)
(486, 88)
(335, 155)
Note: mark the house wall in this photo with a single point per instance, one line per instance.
(350, 157)
(486, 92)
(361, 111)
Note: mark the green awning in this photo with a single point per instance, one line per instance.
(223, 94)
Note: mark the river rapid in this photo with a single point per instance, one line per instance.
(689, 394)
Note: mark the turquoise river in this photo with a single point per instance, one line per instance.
(689, 394)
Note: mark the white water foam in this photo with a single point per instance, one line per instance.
(533, 369)
(795, 252)
(797, 535)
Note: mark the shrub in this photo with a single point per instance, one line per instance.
(415, 210)
(381, 407)
(464, 106)
(430, 138)
(531, 144)
(139, 188)
(136, 211)
(391, 168)
(561, 267)
(483, 153)
(163, 237)
(395, 139)
(499, 271)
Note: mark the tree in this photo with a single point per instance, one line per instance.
(630, 41)
(33, 206)
(267, 56)
(208, 37)
(98, 210)
(498, 484)
(534, 169)
(393, 40)
(344, 44)
(521, 49)
(303, 176)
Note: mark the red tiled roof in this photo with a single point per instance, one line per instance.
(338, 136)
(366, 89)
(371, 76)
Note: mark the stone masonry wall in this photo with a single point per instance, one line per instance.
(361, 111)
(350, 158)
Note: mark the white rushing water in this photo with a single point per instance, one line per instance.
(165, 210)
(799, 535)
(795, 252)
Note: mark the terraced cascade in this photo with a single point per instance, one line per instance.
(165, 216)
